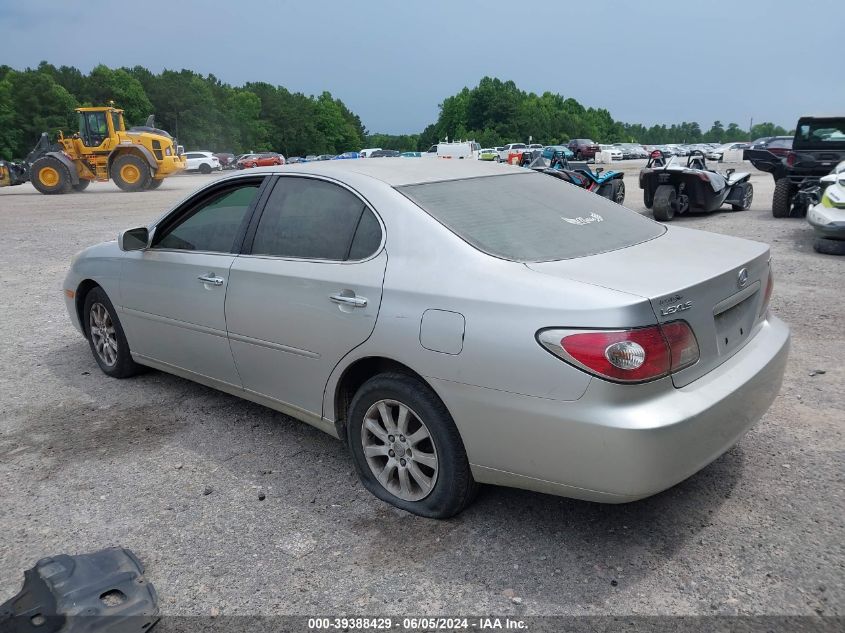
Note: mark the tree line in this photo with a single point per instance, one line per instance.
(205, 113)
(201, 111)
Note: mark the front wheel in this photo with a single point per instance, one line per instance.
(406, 448)
(50, 176)
(782, 198)
(747, 197)
(82, 185)
(665, 199)
(105, 336)
(131, 173)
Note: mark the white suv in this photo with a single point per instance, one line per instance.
(203, 162)
(507, 149)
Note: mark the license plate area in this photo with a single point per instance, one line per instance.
(734, 322)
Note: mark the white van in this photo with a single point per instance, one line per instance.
(458, 149)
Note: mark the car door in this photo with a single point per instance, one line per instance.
(306, 290)
(173, 292)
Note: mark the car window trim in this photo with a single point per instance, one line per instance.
(249, 237)
(176, 216)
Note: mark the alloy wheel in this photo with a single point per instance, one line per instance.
(399, 450)
(102, 334)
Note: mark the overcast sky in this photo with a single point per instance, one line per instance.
(393, 62)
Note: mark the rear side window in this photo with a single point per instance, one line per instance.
(313, 219)
(820, 134)
(531, 217)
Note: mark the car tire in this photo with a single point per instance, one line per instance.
(105, 336)
(81, 186)
(50, 176)
(782, 198)
(131, 173)
(747, 198)
(664, 198)
(205, 169)
(440, 484)
(827, 246)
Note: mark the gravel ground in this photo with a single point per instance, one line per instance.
(88, 462)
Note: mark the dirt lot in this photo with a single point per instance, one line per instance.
(88, 462)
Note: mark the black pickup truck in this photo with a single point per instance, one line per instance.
(818, 146)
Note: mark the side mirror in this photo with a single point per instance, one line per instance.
(599, 170)
(134, 239)
(729, 172)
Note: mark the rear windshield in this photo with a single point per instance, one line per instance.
(820, 133)
(531, 216)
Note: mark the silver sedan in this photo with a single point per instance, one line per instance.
(454, 323)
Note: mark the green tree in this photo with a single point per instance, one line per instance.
(39, 105)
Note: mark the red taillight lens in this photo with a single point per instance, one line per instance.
(767, 293)
(791, 157)
(636, 355)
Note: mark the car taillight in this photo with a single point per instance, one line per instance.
(791, 157)
(704, 176)
(633, 355)
(767, 293)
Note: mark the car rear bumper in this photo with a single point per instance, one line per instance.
(618, 443)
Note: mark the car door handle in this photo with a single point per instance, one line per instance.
(353, 301)
(212, 279)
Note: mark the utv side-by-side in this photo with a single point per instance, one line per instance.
(818, 145)
(671, 188)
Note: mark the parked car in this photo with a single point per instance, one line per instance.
(488, 153)
(367, 153)
(410, 155)
(583, 148)
(510, 148)
(615, 152)
(633, 373)
(777, 145)
(227, 160)
(385, 153)
(293, 160)
(326, 157)
(312, 157)
(265, 159)
(632, 150)
(203, 162)
(555, 153)
(347, 156)
(718, 152)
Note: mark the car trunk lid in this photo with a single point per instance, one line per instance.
(715, 283)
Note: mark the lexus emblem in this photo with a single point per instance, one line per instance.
(742, 278)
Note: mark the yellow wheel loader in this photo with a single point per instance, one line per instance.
(137, 159)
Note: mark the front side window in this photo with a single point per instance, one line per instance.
(308, 218)
(117, 121)
(213, 224)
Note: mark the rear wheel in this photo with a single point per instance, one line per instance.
(82, 185)
(131, 173)
(747, 197)
(782, 199)
(406, 448)
(205, 168)
(648, 198)
(827, 246)
(50, 176)
(618, 191)
(105, 336)
(664, 200)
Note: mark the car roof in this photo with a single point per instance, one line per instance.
(397, 173)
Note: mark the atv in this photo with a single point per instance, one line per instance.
(819, 144)
(827, 214)
(670, 188)
(608, 184)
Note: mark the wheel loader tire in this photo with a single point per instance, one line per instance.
(131, 173)
(81, 186)
(155, 184)
(50, 176)
(827, 246)
(663, 199)
(782, 199)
